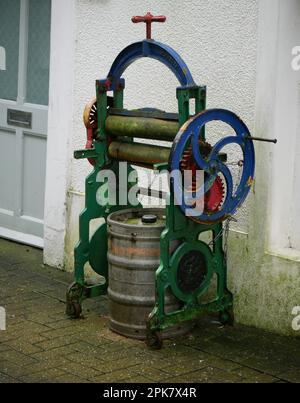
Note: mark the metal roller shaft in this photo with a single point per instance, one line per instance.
(139, 127)
(138, 153)
(143, 154)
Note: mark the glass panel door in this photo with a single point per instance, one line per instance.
(38, 52)
(24, 87)
(9, 48)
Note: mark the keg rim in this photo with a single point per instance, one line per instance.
(159, 211)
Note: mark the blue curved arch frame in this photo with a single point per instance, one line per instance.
(155, 50)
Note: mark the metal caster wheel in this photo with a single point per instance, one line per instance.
(154, 340)
(74, 310)
(73, 296)
(227, 317)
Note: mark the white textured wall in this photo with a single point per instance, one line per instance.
(233, 48)
(216, 38)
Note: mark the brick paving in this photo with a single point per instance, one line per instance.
(42, 345)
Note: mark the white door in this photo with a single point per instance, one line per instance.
(24, 89)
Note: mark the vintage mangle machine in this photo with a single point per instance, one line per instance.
(187, 271)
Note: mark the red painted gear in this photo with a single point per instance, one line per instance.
(213, 198)
(90, 122)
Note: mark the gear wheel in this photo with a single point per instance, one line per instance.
(214, 197)
(191, 271)
(90, 122)
(90, 114)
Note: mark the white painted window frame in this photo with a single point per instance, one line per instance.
(278, 116)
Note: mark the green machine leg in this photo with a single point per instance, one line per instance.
(171, 273)
(93, 249)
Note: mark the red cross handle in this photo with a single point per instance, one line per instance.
(148, 19)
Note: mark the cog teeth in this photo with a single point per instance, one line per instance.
(187, 162)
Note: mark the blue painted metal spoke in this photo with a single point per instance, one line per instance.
(201, 162)
(239, 140)
(191, 134)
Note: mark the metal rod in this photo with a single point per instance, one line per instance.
(143, 154)
(149, 192)
(139, 127)
(262, 139)
(144, 113)
(138, 153)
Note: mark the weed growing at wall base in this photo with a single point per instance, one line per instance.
(2, 319)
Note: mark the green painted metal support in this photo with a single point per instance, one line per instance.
(180, 228)
(92, 249)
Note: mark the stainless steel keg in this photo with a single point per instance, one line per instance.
(134, 257)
